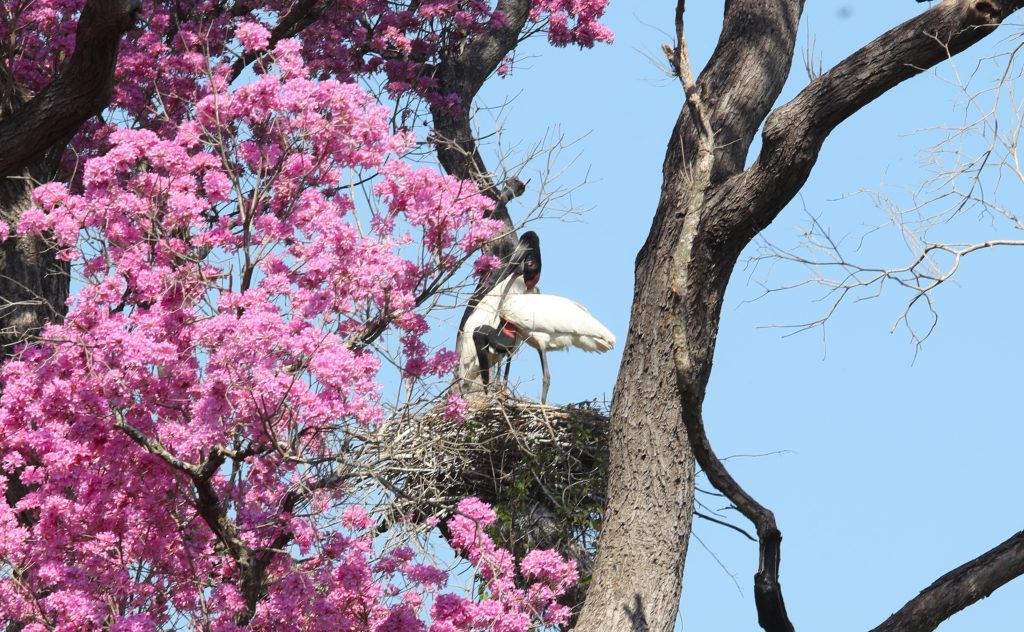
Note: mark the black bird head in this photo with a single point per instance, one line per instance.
(527, 257)
(524, 260)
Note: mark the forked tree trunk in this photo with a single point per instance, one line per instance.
(680, 282)
(710, 209)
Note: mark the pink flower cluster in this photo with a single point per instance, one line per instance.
(163, 67)
(185, 426)
(508, 607)
(184, 435)
(573, 21)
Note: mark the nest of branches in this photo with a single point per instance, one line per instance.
(542, 468)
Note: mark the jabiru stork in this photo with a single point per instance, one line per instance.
(520, 274)
(546, 323)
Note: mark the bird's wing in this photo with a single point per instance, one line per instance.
(553, 315)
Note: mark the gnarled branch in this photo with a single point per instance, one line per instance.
(959, 588)
(81, 91)
(794, 133)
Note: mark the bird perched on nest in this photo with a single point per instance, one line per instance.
(520, 274)
(549, 323)
(513, 311)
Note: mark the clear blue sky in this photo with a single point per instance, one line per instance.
(896, 467)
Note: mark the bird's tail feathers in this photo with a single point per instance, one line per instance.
(594, 344)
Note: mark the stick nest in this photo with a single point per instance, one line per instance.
(543, 468)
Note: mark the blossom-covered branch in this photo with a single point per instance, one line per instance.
(195, 410)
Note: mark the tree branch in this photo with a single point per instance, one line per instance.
(208, 504)
(301, 15)
(462, 75)
(679, 58)
(746, 72)
(960, 588)
(725, 524)
(771, 607)
(81, 91)
(155, 448)
(718, 143)
(252, 566)
(794, 133)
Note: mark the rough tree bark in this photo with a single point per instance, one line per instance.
(709, 210)
(463, 74)
(34, 130)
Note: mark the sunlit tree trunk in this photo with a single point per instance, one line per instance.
(710, 208)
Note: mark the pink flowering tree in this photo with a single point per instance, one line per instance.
(245, 226)
(62, 62)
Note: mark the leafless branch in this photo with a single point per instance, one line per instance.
(844, 279)
(725, 524)
(959, 588)
(794, 133)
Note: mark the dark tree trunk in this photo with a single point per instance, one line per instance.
(34, 130)
(33, 284)
(709, 210)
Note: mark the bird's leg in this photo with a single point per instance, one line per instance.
(503, 340)
(481, 340)
(487, 339)
(547, 378)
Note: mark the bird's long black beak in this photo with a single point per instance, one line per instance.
(481, 341)
(525, 260)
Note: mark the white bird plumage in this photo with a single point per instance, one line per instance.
(484, 314)
(519, 274)
(555, 322)
(550, 323)
(512, 311)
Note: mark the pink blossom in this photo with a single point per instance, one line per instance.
(484, 264)
(230, 298)
(477, 511)
(252, 36)
(455, 407)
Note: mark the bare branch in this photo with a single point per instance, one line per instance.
(960, 588)
(794, 133)
(771, 607)
(679, 58)
(725, 524)
(845, 280)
